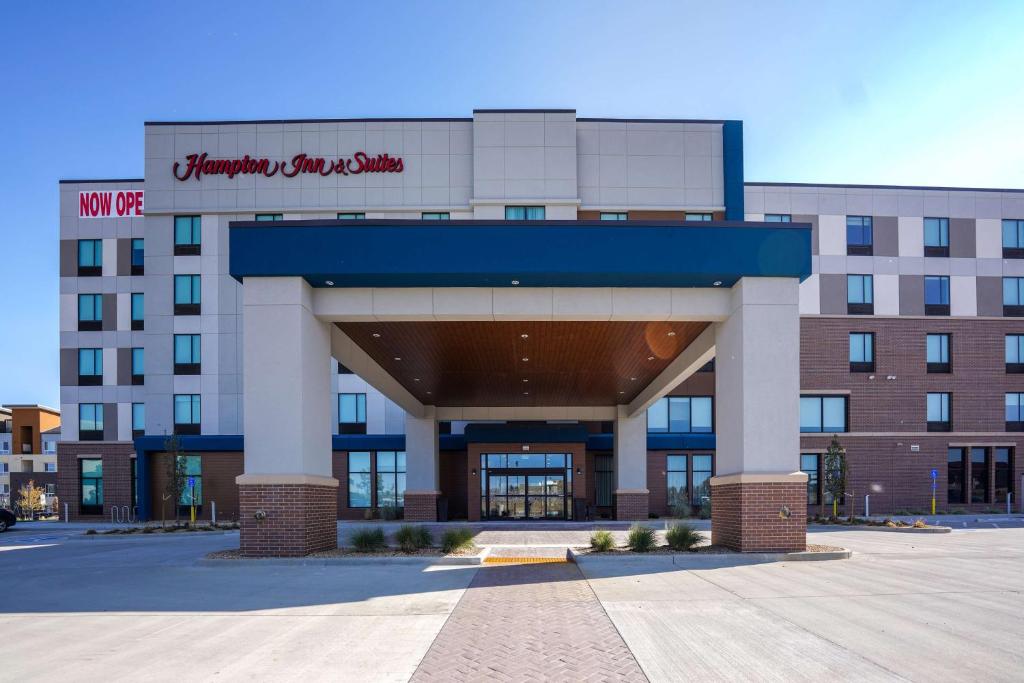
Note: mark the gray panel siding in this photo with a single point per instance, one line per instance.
(911, 295)
(813, 220)
(962, 237)
(124, 367)
(886, 236)
(990, 296)
(110, 422)
(124, 256)
(109, 312)
(69, 258)
(833, 294)
(68, 367)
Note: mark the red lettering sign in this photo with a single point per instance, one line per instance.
(198, 165)
(110, 204)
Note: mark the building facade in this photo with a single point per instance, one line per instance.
(907, 331)
(28, 450)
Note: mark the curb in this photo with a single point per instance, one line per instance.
(448, 560)
(149, 537)
(696, 560)
(912, 530)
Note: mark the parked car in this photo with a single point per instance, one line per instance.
(7, 519)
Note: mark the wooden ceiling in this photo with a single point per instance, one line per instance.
(536, 363)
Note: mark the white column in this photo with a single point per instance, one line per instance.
(630, 451)
(286, 385)
(422, 462)
(757, 379)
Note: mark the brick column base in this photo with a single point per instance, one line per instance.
(421, 506)
(296, 518)
(631, 505)
(760, 512)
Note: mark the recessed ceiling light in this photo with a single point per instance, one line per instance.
(717, 283)
(376, 335)
(632, 379)
(650, 357)
(525, 336)
(429, 392)
(525, 359)
(330, 283)
(622, 392)
(526, 393)
(515, 282)
(398, 358)
(526, 380)
(671, 334)
(415, 379)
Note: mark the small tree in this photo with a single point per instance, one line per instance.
(835, 473)
(30, 499)
(176, 475)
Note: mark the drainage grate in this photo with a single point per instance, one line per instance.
(525, 560)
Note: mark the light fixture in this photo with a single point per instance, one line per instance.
(579, 470)
(650, 357)
(474, 471)
(330, 283)
(717, 283)
(525, 380)
(671, 334)
(515, 282)
(526, 393)
(398, 358)
(415, 379)
(525, 359)
(376, 335)
(622, 392)
(632, 379)
(525, 336)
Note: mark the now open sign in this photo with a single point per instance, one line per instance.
(110, 204)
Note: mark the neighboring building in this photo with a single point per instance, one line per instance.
(908, 319)
(28, 449)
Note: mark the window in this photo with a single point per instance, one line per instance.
(605, 480)
(936, 295)
(822, 414)
(1013, 238)
(936, 237)
(614, 216)
(681, 415)
(50, 467)
(187, 235)
(267, 217)
(1003, 463)
(192, 491)
(859, 235)
(809, 466)
(699, 217)
(435, 216)
(351, 413)
(90, 421)
(187, 413)
(138, 257)
(1013, 296)
(90, 258)
(359, 480)
(676, 472)
(524, 213)
(138, 419)
(702, 466)
(979, 475)
(90, 367)
(938, 412)
(49, 447)
(187, 354)
(860, 295)
(351, 216)
(138, 311)
(937, 349)
(391, 479)
(1014, 419)
(138, 366)
(342, 370)
(90, 312)
(778, 218)
(187, 296)
(862, 352)
(90, 486)
(1015, 353)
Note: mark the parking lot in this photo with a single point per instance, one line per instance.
(913, 606)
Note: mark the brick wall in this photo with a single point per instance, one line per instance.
(421, 507)
(631, 506)
(117, 475)
(219, 470)
(749, 516)
(581, 479)
(300, 519)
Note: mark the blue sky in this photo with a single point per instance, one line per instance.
(866, 92)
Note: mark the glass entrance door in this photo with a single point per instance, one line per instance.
(537, 486)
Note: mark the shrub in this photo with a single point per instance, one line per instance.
(368, 540)
(641, 539)
(388, 512)
(919, 524)
(602, 541)
(411, 538)
(682, 537)
(455, 540)
(681, 509)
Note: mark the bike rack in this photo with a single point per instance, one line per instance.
(123, 514)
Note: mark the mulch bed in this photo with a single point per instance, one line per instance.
(699, 550)
(236, 554)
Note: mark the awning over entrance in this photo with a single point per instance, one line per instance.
(471, 253)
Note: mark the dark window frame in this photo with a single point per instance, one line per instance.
(91, 434)
(939, 367)
(139, 269)
(94, 269)
(866, 227)
(778, 218)
(961, 477)
(97, 482)
(96, 378)
(350, 216)
(358, 426)
(1018, 424)
(137, 323)
(138, 378)
(368, 473)
(138, 432)
(940, 425)
(193, 367)
(860, 308)
(613, 215)
(90, 324)
(1014, 368)
(194, 246)
(526, 212)
(940, 308)
(813, 483)
(936, 250)
(191, 307)
(435, 216)
(269, 217)
(864, 366)
(194, 426)
(668, 411)
(985, 484)
(821, 413)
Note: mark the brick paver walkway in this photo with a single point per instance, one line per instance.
(534, 622)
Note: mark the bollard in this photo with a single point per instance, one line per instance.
(1009, 503)
(867, 505)
(67, 518)
(213, 512)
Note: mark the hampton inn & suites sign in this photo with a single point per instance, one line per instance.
(196, 166)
